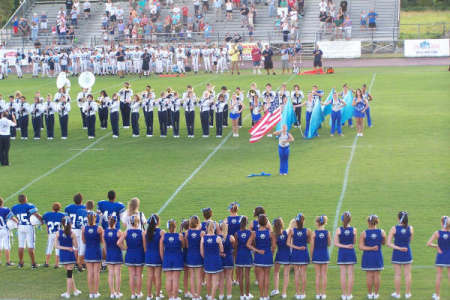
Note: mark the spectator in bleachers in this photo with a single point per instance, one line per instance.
(74, 17)
(105, 21)
(268, 63)
(300, 7)
(185, 13)
(218, 9)
(363, 20)
(285, 30)
(69, 5)
(207, 32)
(87, 9)
(338, 22)
(71, 34)
(196, 7)
(244, 15)
(24, 27)
(271, 7)
(15, 25)
(43, 22)
(347, 25)
(205, 6)
(34, 31)
(229, 10)
(237, 4)
(372, 18)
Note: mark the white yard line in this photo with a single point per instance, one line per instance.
(51, 171)
(92, 149)
(346, 173)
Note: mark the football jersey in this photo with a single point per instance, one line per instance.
(77, 214)
(23, 212)
(113, 209)
(5, 215)
(53, 221)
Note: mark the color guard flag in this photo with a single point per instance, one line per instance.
(316, 120)
(270, 119)
(347, 111)
(287, 116)
(326, 110)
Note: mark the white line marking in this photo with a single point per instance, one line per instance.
(345, 183)
(51, 171)
(92, 149)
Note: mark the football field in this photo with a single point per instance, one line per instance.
(401, 163)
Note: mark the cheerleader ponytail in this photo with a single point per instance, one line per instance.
(299, 220)
(445, 222)
(154, 220)
(243, 220)
(403, 218)
(346, 218)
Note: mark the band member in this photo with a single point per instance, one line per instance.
(268, 95)
(63, 111)
(135, 107)
(11, 108)
(175, 108)
(62, 91)
(169, 96)
(81, 98)
(36, 117)
(114, 106)
(255, 107)
(219, 109)
(205, 106)
(23, 110)
(103, 104)
(336, 113)
(148, 98)
(226, 95)
(125, 95)
(162, 114)
(241, 99)
(189, 103)
(297, 99)
(50, 108)
(212, 96)
(90, 109)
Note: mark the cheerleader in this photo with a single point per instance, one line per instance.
(211, 249)
(443, 252)
(233, 220)
(298, 239)
(284, 138)
(370, 243)
(236, 107)
(148, 97)
(135, 107)
(114, 258)
(66, 243)
(367, 96)
(255, 108)
(90, 108)
(175, 104)
(207, 215)
(162, 114)
(170, 247)
(135, 256)
(262, 242)
(63, 112)
(184, 227)
(320, 241)
(345, 239)
(103, 109)
(360, 106)
(114, 106)
(337, 104)
(205, 106)
(401, 255)
(153, 260)
(219, 109)
(259, 210)
(244, 258)
(283, 257)
(133, 210)
(92, 236)
(227, 262)
(194, 260)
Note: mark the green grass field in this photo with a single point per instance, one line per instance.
(433, 24)
(402, 163)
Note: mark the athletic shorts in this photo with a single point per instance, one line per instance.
(4, 239)
(120, 66)
(26, 236)
(257, 63)
(81, 245)
(51, 244)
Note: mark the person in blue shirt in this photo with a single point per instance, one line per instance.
(372, 16)
(5, 245)
(110, 208)
(52, 220)
(77, 214)
(26, 236)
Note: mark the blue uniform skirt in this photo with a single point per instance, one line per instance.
(173, 262)
(228, 261)
(194, 259)
(135, 257)
(358, 114)
(443, 260)
(372, 261)
(114, 256)
(300, 257)
(93, 254)
(402, 258)
(346, 256)
(283, 257)
(255, 118)
(234, 116)
(264, 260)
(244, 258)
(66, 257)
(152, 258)
(320, 256)
(213, 264)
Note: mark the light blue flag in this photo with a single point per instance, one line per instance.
(326, 110)
(347, 111)
(287, 116)
(316, 120)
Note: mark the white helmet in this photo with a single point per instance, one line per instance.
(34, 220)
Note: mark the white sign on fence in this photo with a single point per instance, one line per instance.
(340, 49)
(426, 48)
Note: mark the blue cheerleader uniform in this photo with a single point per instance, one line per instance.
(135, 255)
(300, 239)
(346, 256)
(359, 107)
(113, 252)
(443, 259)
(194, 259)
(212, 260)
(402, 238)
(283, 256)
(93, 251)
(255, 225)
(234, 224)
(152, 254)
(227, 261)
(244, 257)
(373, 260)
(66, 257)
(173, 257)
(320, 253)
(262, 242)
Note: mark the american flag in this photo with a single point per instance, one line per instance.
(270, 119)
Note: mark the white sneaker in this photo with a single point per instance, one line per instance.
(133, 296)
(349, 297)
(65, 295)
(242, 298)
(370, 296)
(187, 295)
(436, 297)
(149, 298)
(139, 296)
(221, 297)
(323, 296)
(161, 295)
(235, 282)
(269, 135)
(395, 295)
(297, 297)
(119, 295)
(97, 295)
(135, 135)
(112, 296)
(91, 296)
(229, 297)
(274, 293)
(407, 296)
(77, 293)
(318, 297)
(376, 296)
(284, 296)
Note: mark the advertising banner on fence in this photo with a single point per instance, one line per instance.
(340, 49)
(427, 48)
(247, 49)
